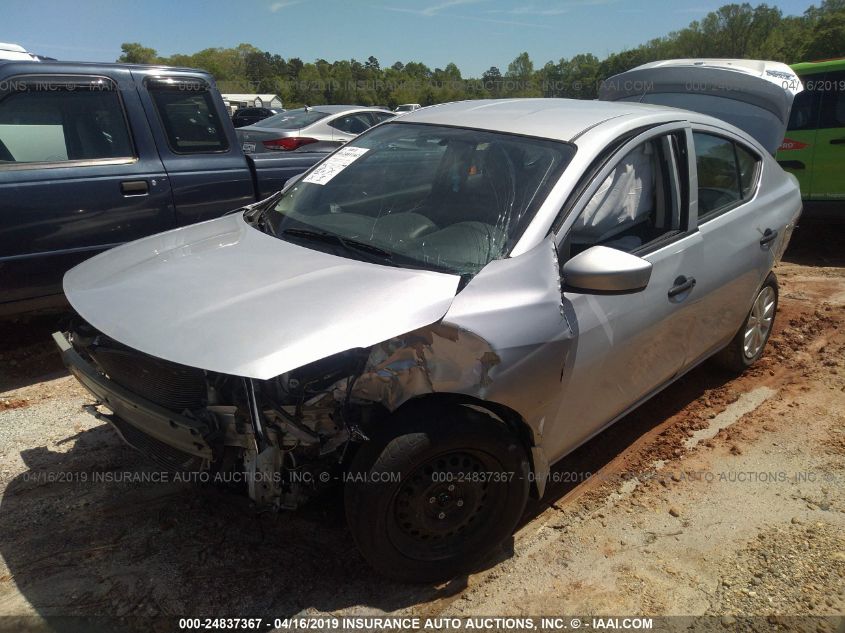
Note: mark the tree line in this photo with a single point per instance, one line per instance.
(734, 30)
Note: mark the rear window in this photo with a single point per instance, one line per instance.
(353, 123)
(189, 118)
(293, 119)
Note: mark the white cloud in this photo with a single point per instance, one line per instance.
(437, 8)
(532, 10)
(283, 4)
(434, 9)
(554, 8)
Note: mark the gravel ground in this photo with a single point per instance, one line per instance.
(722, 496)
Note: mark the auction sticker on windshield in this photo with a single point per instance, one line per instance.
(335, 164)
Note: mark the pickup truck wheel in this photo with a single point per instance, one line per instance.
(747, 346)
(432, 497)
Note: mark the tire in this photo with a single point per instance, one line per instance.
(436, 493)
(741, 352)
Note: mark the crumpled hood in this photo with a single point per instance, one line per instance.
(223, 296)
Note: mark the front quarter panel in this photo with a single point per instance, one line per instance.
(503, 340)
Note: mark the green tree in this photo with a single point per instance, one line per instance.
(520, 78)
(135, 53)
(492, 81)
(733, 30)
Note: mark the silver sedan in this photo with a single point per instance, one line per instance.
(451, 302)
(311, 129)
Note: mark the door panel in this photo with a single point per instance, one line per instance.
(829, 164)
(626, 347)
(731, 267)
(732, 262)
(797, 151)
(72, 202)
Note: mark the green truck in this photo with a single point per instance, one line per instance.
(814, 146)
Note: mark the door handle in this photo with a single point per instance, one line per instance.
(769, 236)
(837, 141)
(792, 164)
(134, 187)
(682, 284)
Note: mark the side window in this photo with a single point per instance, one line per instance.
(833, 101)
(352, 123)
(747, 164)
(189, 118)
(727, 174)
(718, 177)
(379, 117)
(46, 122)
(637, 204)
(805, 107)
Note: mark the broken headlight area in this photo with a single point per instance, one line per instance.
(286, 438)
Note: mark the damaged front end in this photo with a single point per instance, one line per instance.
(286, 438)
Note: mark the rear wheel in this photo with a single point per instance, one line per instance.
(435, 494)
(747, 346)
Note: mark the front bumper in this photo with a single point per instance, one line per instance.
(171, 439)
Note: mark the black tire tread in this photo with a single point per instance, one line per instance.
(410, 433)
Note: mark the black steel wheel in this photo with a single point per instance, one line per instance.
(437, 493)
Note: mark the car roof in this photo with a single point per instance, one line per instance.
(809, 68)
(335, 109)
(90, 67)
(561, 119)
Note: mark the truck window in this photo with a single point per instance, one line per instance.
(48, 123)
(833, 101)
(189, 118)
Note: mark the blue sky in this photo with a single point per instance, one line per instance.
(474, 34)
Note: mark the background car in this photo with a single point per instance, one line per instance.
(814, 146)
(15, 52)
(407, 107)
(319, 128)
(248, 116)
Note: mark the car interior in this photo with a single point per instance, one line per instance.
(726, 174)
(635, 204)
(455, 202)
(38, 126)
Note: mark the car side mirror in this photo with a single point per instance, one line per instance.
(603, 270)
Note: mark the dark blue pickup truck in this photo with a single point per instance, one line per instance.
(94, 155)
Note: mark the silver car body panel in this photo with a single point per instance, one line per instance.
(225, 297)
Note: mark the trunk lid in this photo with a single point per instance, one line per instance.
(755, 96)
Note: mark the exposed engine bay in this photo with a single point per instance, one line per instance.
(286, 438)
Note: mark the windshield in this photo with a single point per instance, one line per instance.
(438, 197)
(293, 119)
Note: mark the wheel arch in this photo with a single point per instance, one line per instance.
(497, 413)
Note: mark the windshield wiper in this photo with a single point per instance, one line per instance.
(348, 243)
(260, 218)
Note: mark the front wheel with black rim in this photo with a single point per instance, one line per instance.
(436, 493)
(747, 346)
